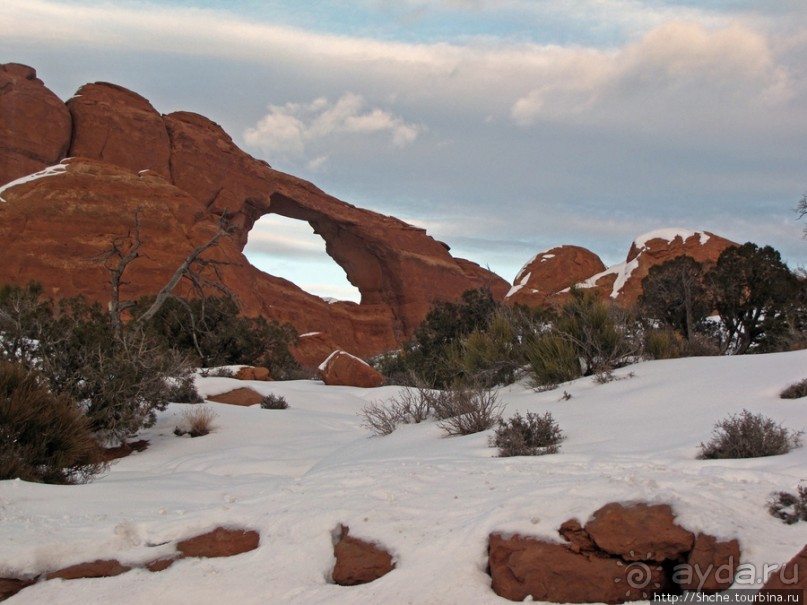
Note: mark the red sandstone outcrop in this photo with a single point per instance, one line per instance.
(243, 396)
(34, 123)
(118, 126)
(711, 566)
(253, 373)
(522, 567)
(344, 369)
(220, 542)
(551, 272)
(358, 561)
(639, 532)
(623, 553)
(399, 270)
(623, 283)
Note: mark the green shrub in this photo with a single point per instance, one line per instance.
(790, 508)
(213, 333)
(533, 435)
(274, 402)
(552, 359)
(748, 435)
(183, 390)
(664, 343)
(795, 391)
(43, 437)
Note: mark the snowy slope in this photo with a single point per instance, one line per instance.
(295, 474)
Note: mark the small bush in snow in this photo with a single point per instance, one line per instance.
(274, 402)
(183, 390)
(795, 391)
(221, 372)
(43, 437)
(196, 421)
(409, 406)
(790, 508)
(748, 435)
(465, 410)
(533, 435)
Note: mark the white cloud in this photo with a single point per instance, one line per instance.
(664, 72)
(288, 129)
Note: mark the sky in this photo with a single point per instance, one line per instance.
(503, 127)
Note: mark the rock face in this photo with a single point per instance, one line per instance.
(624, 553)
(343, 369)
(639, 533)
(185, 172)
(358, 561)
(711, 566)
(243, 396)
(623, 283)
(253, 373)
(220, 542)
(551, 272)
(543, 280)
(119, 126)
(522, 567)
(34, 123)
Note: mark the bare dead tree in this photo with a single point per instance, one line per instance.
(125, 250)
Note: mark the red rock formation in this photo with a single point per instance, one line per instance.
(34, 123)
(522, 567)
(220, 542)
(398, 268)
(344, 369)
(551, 272)
(243, 396)
(118, 126)
(624, 553)
(250, 373)
(639, 532)
(92, 569)
(623, 283)
(358, 561)
(711, 566)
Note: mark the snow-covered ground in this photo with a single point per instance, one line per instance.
(296, 474)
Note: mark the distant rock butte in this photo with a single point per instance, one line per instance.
(183, 172)
(547, 278)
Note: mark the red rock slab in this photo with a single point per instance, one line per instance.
(11, 586)
(253, 373)
(359, 561)
(344, 369)
(101, 568)
(639, 532)
(711, 565)
(243, 396)
(220, 542)
(35, 125)
(525, 567)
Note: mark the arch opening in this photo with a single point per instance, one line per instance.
(289, 248)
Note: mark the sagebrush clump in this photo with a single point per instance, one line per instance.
(196, 421)
(43, 437)
(274, 402)
(465, 410)
(748, 435)
(795, 391)
(790, 508)
(530, 435)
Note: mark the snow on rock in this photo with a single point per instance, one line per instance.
(432, 500)
(49, 171)
(342, 368)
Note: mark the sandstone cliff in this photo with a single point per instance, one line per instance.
(184, 172)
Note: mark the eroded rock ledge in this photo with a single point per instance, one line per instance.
(623, 553)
